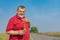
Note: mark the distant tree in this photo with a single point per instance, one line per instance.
(34, 29)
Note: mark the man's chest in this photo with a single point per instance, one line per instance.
(20, 25)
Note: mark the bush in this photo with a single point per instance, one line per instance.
(34, 29)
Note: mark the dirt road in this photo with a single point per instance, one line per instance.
(43, 37)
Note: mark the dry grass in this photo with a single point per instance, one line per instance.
(4, 37)
(55, 34)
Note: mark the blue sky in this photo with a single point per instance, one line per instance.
(44, 14)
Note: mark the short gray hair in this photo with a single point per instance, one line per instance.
(20, 6)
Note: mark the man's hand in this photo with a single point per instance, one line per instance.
(21, 32)
(11, 32)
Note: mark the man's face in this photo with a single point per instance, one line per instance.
(21, 12)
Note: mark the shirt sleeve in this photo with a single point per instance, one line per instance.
(10, 25)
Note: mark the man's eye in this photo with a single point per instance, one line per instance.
(21, 11)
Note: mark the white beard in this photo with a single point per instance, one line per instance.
(21, 16)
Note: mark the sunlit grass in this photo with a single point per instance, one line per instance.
(4, 37)
(55, 34)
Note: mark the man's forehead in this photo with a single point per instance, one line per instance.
(22, 9)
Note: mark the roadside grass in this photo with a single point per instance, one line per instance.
(54, 34)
